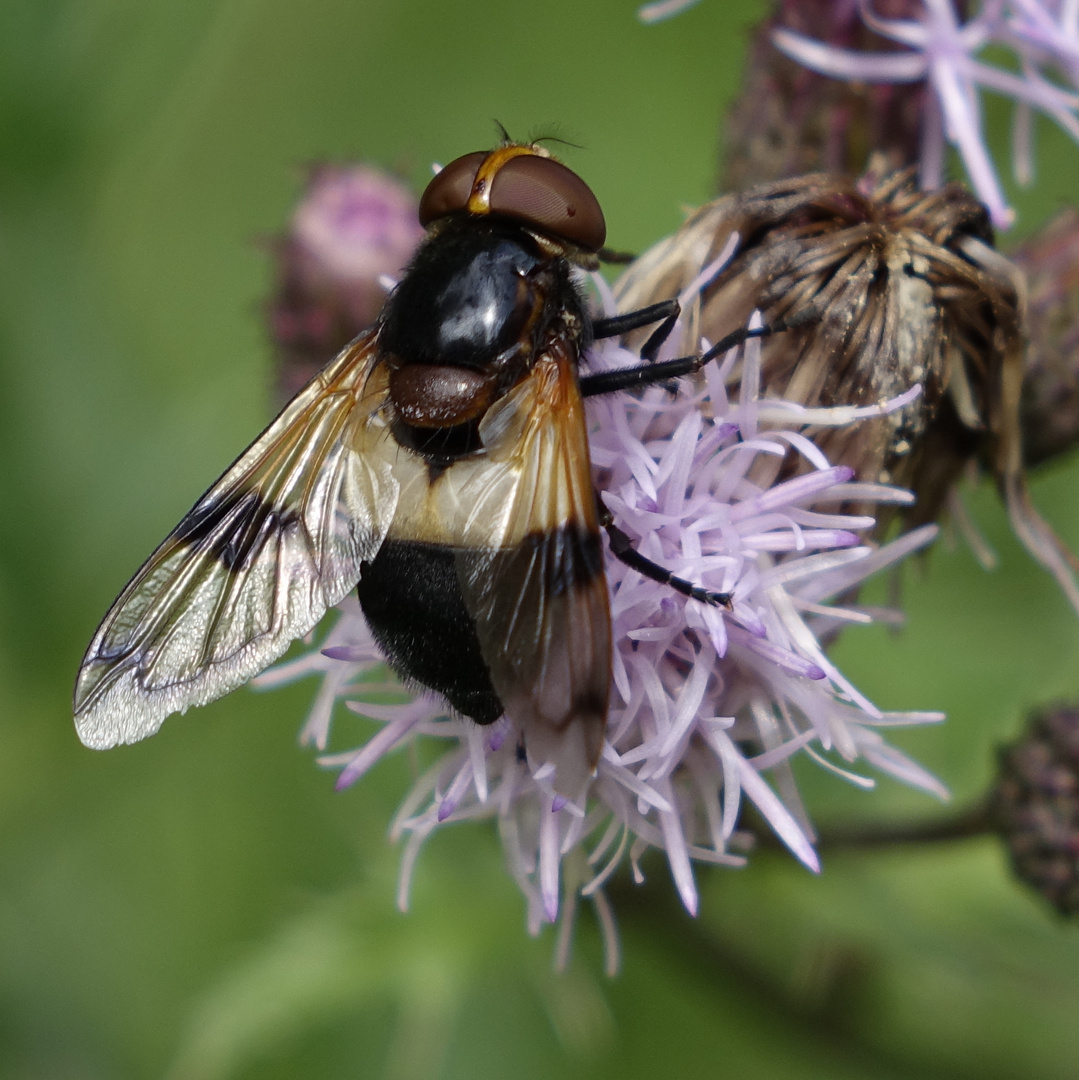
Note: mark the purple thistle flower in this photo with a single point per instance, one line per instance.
(789, 120)
(941, 49)
(708, 706)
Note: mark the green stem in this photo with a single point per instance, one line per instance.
(974, 820)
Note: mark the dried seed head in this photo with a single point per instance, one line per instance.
(1036, 805)
(888, 287)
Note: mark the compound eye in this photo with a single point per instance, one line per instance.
(450, 189)
(544, 193)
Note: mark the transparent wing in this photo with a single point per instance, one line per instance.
(537, 590)
(255, 563)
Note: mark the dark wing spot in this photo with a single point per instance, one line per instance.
(571, 555)
(591, 701)
(234, 528)
(435, 469)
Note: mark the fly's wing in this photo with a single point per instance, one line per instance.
(254, 564)
(537, 592)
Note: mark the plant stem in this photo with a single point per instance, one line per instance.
(973, 820)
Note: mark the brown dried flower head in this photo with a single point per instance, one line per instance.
(885, 286)
(889, 286)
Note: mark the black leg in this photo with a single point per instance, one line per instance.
(634, 320)
(648, 374)
(624, 551)
(655, 341)
(607, 382)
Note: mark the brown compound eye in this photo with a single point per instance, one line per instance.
(544, 193)
(517, 182)
(450, 189)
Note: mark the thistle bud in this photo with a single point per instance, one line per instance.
(353, 226)
(1050, 407)
(1036, 805)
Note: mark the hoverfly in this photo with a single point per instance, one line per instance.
(440, 465)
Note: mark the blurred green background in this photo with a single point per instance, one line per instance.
(203, 905)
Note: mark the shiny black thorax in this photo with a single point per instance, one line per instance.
(479, 304)
(465, 299)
